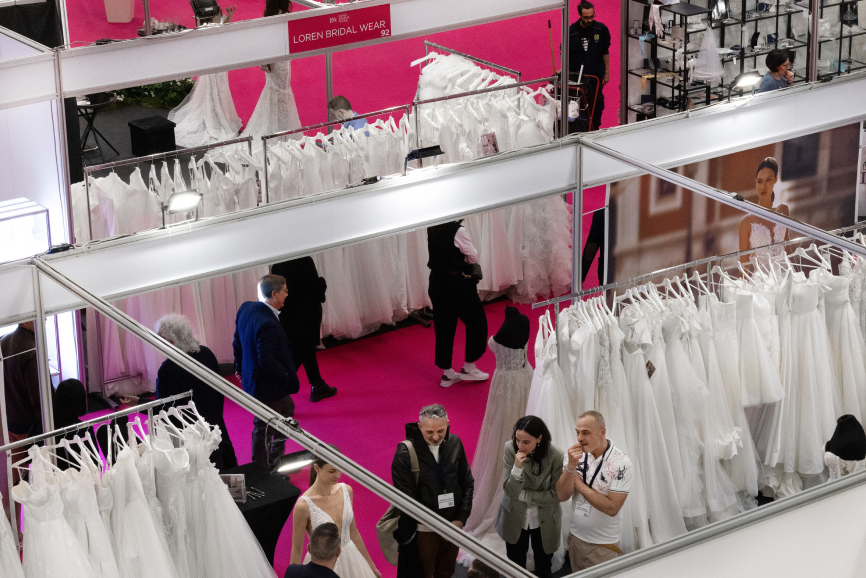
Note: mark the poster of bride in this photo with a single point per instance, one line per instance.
(654, 224)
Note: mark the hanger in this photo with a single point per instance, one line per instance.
(800, 252)
(430, 56)
(699, 283)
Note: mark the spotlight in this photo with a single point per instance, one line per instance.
(422, 153)
(181, 202)
(745, 80)
(293, 462)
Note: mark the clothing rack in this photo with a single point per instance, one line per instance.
(150, 158)
(97, 420)
(409, 108)
(77, 427)
(428, 45)
(705, 261)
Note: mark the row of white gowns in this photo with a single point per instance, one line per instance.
(157, 511)
(712, 401)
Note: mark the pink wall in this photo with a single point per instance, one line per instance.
(375, 77)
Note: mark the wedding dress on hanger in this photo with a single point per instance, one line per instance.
(350, 563)
(276, 110)
(207, 115)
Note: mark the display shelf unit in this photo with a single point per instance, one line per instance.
(783, 24)
(841, 59)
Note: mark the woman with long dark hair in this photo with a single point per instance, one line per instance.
(757, 232)
(530, 511)
(328, 500)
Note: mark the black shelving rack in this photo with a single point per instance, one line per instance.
(842, 61)
(667, 85)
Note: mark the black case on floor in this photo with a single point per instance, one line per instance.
(151, 135)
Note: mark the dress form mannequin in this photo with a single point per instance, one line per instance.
(514, 332)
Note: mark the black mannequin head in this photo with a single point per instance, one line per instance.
(514, 332)
(849, 439)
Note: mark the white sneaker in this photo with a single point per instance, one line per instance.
(449, 381)
(473, 375)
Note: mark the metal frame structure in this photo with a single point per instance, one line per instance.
(378, 486)
(428, 45)
(287, 426)
(5, 449)
(410, 108)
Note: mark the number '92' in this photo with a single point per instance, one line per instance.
(386, 32)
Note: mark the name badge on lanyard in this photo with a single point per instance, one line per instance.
(446, 500)
(582, 506)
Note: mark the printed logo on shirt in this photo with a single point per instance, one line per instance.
(595, 37)
(620, 474)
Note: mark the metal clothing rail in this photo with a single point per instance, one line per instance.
(409, 108)
(428, 45)
(689, 265)
(97, 420)
(151, 158)
(290, 428)
(157, 156)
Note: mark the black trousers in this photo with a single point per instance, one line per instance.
(517, 552)
(591, 87)
(266, 449)
(456, 298)
(306, 356)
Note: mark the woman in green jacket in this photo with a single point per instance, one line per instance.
(530, 511)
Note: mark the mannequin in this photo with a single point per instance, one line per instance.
(514, 332)
(506, 403)
(845, 453)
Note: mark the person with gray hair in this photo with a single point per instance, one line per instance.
(173, 379)
(263, 363)
(444, 485)
(324, 551)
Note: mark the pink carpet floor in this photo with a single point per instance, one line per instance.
(383, 381)
(375, 77)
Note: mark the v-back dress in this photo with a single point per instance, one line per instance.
(351, 563)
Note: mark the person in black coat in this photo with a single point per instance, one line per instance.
(263, 363)
(324, 551)
(301, 318)
(172, 379)
(443, 471)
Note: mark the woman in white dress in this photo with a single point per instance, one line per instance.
(327, 500)
(276, 110)
(755, 231)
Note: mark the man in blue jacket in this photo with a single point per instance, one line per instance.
(263, 362)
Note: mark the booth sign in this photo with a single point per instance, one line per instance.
(341, 28)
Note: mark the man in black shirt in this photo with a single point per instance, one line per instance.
(589, 44)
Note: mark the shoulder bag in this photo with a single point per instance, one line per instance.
(386, 526)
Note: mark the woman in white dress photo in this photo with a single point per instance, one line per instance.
(328, 500)
(276, 110)
(757, 232)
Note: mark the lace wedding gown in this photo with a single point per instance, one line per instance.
(351, 563)
(276, 110)
(207, 114)
(761, 236)
(506, 403)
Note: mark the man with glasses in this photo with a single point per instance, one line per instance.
(263, 363)
(589, 45)
(780, 73)
(443, 482)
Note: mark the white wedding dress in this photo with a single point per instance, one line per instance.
(351, 563)
(506, 403)
(276, 110)
(10, 563)
(207, 115)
